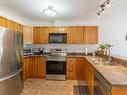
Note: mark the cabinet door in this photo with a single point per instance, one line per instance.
(36, 35)
(40, 35)
(75, 35)
(41, 67)
(26, 68)
(90, 35)
(10, 24)
(44, 32)
(80, 68)
(71, 68)
(86, 70)
(33, 66)
(58, 30)
(18, 27)
(27, 35)
(91, 81)
(3, 22)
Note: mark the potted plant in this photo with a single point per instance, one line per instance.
(104, 48)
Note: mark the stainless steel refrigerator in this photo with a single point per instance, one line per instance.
(11, 43)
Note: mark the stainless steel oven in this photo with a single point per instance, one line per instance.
(56, 65)
(101, 86)
(56, 70)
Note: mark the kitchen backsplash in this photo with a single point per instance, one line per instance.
(70, 48)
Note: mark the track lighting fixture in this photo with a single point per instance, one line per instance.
(103, 6)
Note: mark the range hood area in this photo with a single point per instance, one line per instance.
(57, 38)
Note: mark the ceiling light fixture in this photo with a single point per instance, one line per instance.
(50, 11)
(103, 6)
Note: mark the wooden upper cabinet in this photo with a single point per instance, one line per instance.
(44, 32)
(36, 35)
(75, 35)
(10, 24)
(3, 22)
(58, 29)
(40, 35)
(18, 27)
(27, 35)
(90, 35)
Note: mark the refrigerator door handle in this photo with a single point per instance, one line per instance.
(10, 75)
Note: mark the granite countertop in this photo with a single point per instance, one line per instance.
(34, 55)
(116, 75)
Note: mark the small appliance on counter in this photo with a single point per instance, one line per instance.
(28, 51)
(41, 50)
(38, 51)
(33, 51)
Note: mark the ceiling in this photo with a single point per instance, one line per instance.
(32, 10)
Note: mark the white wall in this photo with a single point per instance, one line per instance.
(113, 27)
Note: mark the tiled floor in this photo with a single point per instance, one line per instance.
(48, 87)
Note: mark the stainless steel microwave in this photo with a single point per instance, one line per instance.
(57, 38)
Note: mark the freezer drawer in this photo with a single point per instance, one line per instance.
(11, 85)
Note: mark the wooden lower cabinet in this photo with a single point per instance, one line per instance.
(41, 67)
(34, 67)
(71, 68)
(119, 91)
(89, 76)
(80, 69)
(26, 68)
